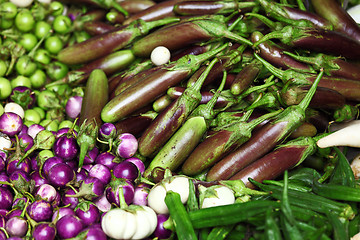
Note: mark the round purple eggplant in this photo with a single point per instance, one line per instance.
(2, 164)
(68, 200)
(38, 179)
(140, 164)
(69, 226)
(107, 159)
(66, 147)
(126, 145)
(26, 141)
(101, 172)
(141, 193)
(49, 163)
(102, 203)
(16, 226)
(93, 232)
(126, 170)
(91, 156)
(88, 213)
(6, 198)
(13, 165)
(112, 191)
(34, 129)
(46, 192)
(60, 212)
(40, 210)
(73, 106)
(10, 123)
(44, 231)
(60, 175)
(160, 231)
(107, 131)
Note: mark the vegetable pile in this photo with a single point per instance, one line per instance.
(179, 119)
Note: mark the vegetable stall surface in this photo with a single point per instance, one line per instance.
(125, 119)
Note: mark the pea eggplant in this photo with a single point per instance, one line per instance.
(334, 13)
(169, 120)
(275, 163)
(221, 143)
(318, 40)
(264, 139)
(183, 34)
(210, 7)
(104, 44)
(153, 86)
(187, 137)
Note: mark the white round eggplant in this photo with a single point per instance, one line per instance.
(217, 196)
(179, 184)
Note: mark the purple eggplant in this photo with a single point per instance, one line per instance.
(101, 172)
(66, 147)
(126, 170)
(126, 145)
(46, 192)
(112, 191)
(10, 123)
(6, 198)
(160, 231)
(73, 106)
(93, 232)
(107, 159)
(38, 179)
(60, 212)
(68, 200)
(49, 163)
(69, 226)
(87, 212)
(16, 226)
(2, 164)
(44, 231)
(138, 163)
(26, 141)
(91, 156)
(102, 203)
(34, 129)
(140, 194)
(40, 210)
(90, 188)
(60, 175)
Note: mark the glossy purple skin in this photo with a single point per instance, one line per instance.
(140, 164)
(46, 192)
(4, 212)
(24, 130)
(91, 156)
(69, 226)
(88, 216)
(35, 175)
(29, 98)
(63, 211)
(72, 164)
(40, 210)
(73, 106)
(71, 202)
(4, 178)
(106, 130)
(34, 129)
(15, 176)
(49, 163)
(44, 231)
(33, 163)
(97, 186)
(126, 170)
(140, 194)
(3, 154)
(13, 165)
(87, 167)
(10, 124)
(113, 195)
(56, 203)
(16, 226)
(66, 148)
(14, 213)
(102, 203)
(6, 198)
(81, 175)
(60, 174)
(127, 146)
(95, 233)
(106, 158)
(101, 172)
(160, 232)
(63, 131)
(19, 201)
(26, 140)
(2, 164)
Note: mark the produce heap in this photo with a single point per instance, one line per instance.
(178, 119)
